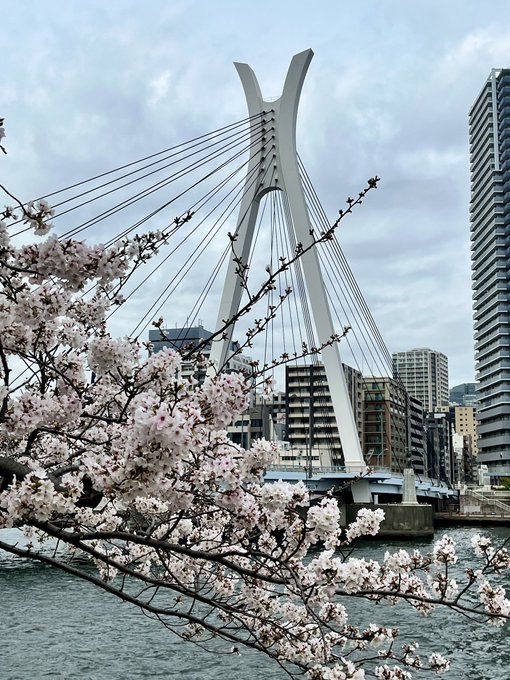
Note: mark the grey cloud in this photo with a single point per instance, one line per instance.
(92, 85)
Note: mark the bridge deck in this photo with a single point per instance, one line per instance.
(381, 480)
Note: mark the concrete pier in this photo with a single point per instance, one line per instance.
(401, 521)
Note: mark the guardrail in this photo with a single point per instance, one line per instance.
(335, 468)
(422, 483)
(324, 470)
(496, 494)
(318, 470)
(489, 501)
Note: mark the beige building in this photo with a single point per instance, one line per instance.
(465, 424)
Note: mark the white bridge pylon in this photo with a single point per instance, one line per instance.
(274, 159)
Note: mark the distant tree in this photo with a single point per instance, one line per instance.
(134, 470)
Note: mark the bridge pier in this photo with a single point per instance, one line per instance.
(361, 491)
(400, 520)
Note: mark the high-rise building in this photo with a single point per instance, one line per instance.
(424, 374)
(489, 140)
(311, 425)
(188, 340)
(464, 395)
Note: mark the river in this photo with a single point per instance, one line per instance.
(54, 626)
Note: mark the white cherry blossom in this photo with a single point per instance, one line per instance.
(122, 459)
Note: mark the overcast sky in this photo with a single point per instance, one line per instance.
(89, 85)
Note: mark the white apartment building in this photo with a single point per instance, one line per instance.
(424, 374)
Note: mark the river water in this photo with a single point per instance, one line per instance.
(53, 626)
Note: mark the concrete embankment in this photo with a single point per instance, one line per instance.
(446, 519)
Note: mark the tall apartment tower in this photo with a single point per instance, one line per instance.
(424, 373)
(489, 141)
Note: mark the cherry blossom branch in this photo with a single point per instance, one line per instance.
(270, 282)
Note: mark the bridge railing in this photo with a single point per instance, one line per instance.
(355, 471)
(493, 493)
(324, 469)
(481, 496)
(304, 468)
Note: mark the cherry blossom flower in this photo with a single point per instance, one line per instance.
(119, 457)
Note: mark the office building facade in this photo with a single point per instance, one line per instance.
(489, 139)
(386, 439)
(416, 436)
(440, 463)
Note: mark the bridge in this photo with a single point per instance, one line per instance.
(245, 187)
(384, 485)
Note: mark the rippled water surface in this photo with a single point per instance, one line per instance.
(53, 626)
